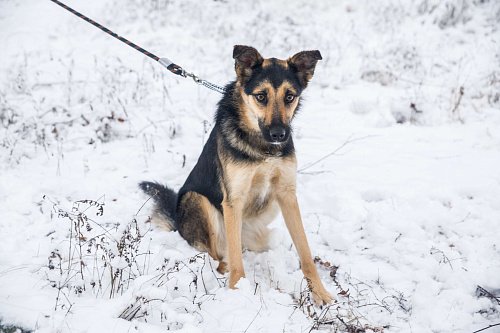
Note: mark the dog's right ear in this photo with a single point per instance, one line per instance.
(246, 59)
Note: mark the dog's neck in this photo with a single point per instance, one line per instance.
(250, 145)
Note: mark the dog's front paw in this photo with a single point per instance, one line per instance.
(234, 277)
(321, 296)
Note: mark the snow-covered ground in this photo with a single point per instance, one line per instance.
(398, 145)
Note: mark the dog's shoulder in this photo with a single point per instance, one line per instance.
(205, 176)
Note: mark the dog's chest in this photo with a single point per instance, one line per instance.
(254, 187)
(261, 193)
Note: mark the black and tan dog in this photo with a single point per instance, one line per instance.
(247, 169)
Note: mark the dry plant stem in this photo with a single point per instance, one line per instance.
(457, 103)
(486, 328)
(485, 293)
(349, 140)
(253, 319)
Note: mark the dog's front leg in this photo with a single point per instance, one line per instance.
(233, 222)
(291, 213)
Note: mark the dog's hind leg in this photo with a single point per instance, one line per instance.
(201, 225)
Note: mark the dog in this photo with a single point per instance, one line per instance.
(247, 170)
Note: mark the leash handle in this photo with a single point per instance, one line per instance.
(173, 68)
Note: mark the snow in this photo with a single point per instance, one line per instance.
(398, 180)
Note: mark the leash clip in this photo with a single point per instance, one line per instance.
(195, 78)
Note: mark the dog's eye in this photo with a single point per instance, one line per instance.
(289, 98)
(260, 97)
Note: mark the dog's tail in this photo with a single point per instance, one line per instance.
(166, 203)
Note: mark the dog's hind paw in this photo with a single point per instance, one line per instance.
(222, 268)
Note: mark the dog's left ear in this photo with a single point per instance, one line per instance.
(305, 62)
(246, 59)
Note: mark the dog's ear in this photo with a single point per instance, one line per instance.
(305, 62)
(246, 59)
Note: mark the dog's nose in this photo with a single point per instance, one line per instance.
(278, 133)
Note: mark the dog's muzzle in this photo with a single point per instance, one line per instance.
(278, 133)
(275, 133)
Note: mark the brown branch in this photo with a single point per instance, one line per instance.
(457, 103)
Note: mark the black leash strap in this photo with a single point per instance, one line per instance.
(176, 69)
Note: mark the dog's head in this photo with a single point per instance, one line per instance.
(270, 89)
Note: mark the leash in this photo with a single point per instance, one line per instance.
(175, 69)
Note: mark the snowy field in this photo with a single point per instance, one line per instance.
(398, 145)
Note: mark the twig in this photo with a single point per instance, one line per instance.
(483, 329)
(349, 140)
(457, 103)
(145, 202)
(480, 291)
(465, 218)
(253, 319)
(201, 273)
(11, 269)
